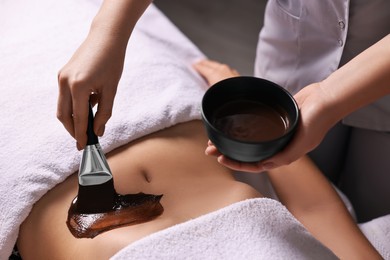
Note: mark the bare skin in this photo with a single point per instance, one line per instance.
(172, 162)
(316, 204)
(192, 184)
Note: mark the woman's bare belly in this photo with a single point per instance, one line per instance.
(169, 162)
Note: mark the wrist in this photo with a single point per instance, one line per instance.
(331, 107)
(317, 109)
(108, 32)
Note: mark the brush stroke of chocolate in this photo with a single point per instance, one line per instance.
(129, 209)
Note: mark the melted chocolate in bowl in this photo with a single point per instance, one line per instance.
(91, 218)
(251, 121)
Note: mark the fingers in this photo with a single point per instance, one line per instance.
(282, 158)
(211, 150)
(214, 71)
(240, 166)
(64, 106)
(204, 70)
(80, 111)
(208, 65)
(73, 108)
(104, 111)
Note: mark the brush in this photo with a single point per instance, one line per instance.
(96, 192)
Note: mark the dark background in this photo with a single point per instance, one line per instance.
(225, 30)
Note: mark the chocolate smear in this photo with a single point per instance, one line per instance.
(91, 218)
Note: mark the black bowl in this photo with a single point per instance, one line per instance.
(249, 119)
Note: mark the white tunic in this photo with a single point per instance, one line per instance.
(303, 41)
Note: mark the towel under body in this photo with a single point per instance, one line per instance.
(252, 229)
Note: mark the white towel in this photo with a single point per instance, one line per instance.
(158, 89)
(252, 229)
(378, 232)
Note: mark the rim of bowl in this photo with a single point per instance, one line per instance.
(291, 128)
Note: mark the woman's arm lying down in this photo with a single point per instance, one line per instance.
(310, 197)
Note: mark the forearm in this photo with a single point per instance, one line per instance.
(116, 19)
(96, 66)
(309, 196)
(361, 81)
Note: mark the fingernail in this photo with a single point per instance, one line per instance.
(219, 159)
(100, 131)
(268, 166)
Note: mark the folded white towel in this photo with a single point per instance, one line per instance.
(158, 89)
(252, 229)
(378, 232)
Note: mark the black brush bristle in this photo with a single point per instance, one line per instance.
(92, 137)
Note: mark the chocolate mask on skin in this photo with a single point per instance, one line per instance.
(97, 207)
